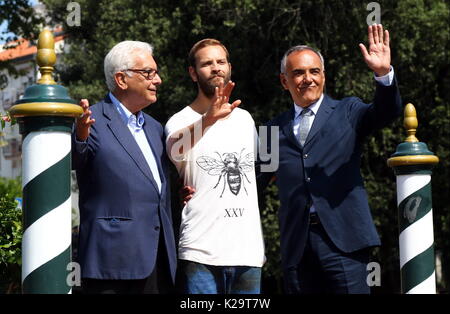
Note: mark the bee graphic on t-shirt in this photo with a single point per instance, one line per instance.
(229, 166)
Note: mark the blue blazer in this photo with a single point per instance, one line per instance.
(121, 209)
(326, 172)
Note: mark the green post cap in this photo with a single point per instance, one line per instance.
(46, 98)
(412, 152)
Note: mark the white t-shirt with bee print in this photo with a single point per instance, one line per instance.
(221, 224)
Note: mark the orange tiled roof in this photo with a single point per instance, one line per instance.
(24, 48)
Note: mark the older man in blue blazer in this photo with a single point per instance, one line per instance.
(126, 240)
(325, 221)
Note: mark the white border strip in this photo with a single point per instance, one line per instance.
(408, 184)
(416, 238)
(41, 150)
(46, 238)
(428, 286)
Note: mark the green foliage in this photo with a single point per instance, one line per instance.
(22, 22)
(10, 236)
(257, 33)
(7, 118)
(10, 188)
(269, 220)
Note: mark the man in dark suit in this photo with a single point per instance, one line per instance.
(126, 241)
(325, 222)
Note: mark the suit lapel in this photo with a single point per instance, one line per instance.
(126, 140)
(326, 108)
(288, 125)
(156, 147)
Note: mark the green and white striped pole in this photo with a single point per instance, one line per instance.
(46, 115)
(412, 164)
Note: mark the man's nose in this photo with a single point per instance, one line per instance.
(307, 78)
(215, 67)
(157, 79)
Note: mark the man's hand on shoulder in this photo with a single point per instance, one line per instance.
(378, 57)
(186, 192)
(84, 123)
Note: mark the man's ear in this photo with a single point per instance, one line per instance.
(193, 74)
(283, 81)
(120, 79)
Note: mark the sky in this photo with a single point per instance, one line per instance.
(2, 29)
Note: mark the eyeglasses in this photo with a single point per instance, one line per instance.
(147, 74)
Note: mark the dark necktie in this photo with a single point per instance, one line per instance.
(305, 125)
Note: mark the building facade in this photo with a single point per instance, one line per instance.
(12, 87)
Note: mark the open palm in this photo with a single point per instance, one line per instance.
(220, 107)
(378, 57)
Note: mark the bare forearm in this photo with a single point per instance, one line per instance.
(189, 136)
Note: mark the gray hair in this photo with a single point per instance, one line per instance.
(300, 48)
(120, 58)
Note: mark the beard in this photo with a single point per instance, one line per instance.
(208, 86)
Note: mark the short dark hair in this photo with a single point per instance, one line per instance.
(202, 44)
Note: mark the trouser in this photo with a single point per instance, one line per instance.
(196, 278)
(326, 269)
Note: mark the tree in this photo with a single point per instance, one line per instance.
(22, 23)
(21, 20)
(10, 236)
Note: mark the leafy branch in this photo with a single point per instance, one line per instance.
(7, 118)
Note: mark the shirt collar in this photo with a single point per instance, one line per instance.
(135, 120)
(314, 107)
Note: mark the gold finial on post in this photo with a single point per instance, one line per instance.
(46, 57)
(410, 123)
(411, 152)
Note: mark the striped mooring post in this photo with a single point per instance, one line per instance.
(412, 164)
(46, 115)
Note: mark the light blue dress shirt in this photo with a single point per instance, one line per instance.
(385, 80)
(135, 124)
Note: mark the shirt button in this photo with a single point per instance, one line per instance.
(308, 179)
(156, 228)
(305, 156)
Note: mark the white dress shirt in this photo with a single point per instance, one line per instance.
(135, 124)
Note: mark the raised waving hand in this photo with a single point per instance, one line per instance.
(378, 57)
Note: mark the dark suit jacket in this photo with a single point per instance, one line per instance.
(121, 209)
(326, 171)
